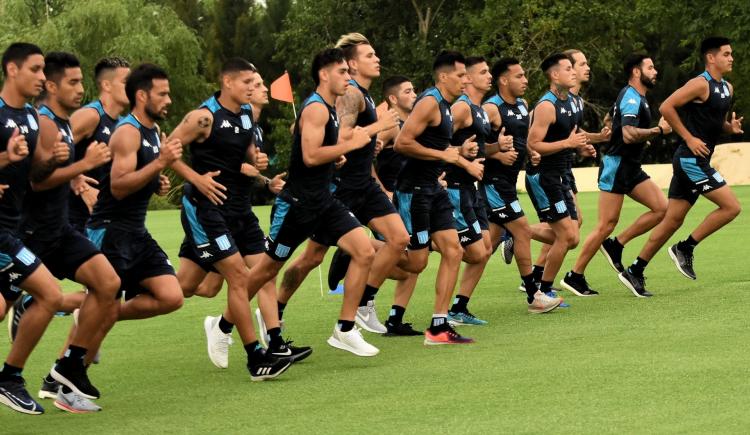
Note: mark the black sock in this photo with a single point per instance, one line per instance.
(545, 286)
(9, 370)
(438, 323)
(638, 266)
(225, 326)
(687, 244)
(396, 316)
(617, 243)
(275, 337)
(576, 276)
(346, 325)
(459, 304)
(537, 271)
(281, 307)
(530, 284)
(75, 354)
(368, 295)
(254, 351)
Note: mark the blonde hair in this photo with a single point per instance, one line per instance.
(348, 44)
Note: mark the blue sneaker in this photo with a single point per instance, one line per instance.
(553, 294)
(13, 394)
(457, 319)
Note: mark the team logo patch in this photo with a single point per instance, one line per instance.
(282, 251)
(423, 237)
(246, 123)
(477, 228)
(523, 110)
(560, 207)
(516, 206)
(223, 242)
(26, 257)
(718, 177)
(32, 122)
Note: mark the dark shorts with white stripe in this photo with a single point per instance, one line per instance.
(693, 177)
(292, 223)
(424, 210)
(134, 255)
(618, 175)
(551, 196)
(64, 254)
(210, 235)
(502, 202)
(17, 263)
(470, 213)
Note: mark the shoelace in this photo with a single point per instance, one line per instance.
(224, 342)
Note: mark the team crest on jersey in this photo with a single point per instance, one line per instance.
(154, 148)
(335, 120)
(369, 102)
(522, 108)
(574, 107)
(725, 94)
(32, 122)
(448, 114)
(246, 123)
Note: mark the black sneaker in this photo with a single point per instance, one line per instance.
(401, 330)
(19, 308)
(613, 253)
(13, 394)
(285, 349)
(507, 246)
(683, 260)
(577, 286)
(636, 284)
(338, 268)
(73, 375)
(49, 388)
(268, 367)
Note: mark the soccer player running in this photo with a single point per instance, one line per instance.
(554, 134)
(470, 120)
(621, 174)
(221, 231)
(95, 122)
(45, 229)
(509, 115)
(356, 187)
(23, 71)
(424, 205)
(704, 103)
(306, 206)
(117, 225)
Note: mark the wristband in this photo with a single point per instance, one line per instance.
(661, 130)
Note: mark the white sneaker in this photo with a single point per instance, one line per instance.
(262, 330)
(352, 341)
(367, 319)
(543, 303)
(218, 342)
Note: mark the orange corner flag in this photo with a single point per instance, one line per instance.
(281, 88)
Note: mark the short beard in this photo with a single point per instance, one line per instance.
(156, 116)
(648, 83)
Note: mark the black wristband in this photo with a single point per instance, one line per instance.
(661, 130)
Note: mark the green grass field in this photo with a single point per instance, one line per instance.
(612, 364)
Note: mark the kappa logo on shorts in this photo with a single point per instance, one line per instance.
(26, 257)
(223, 242)
(13, 276)
(560, 207)
(464, 239)
(282, 251)
(706, 187)
(205, 254)
(423, 237)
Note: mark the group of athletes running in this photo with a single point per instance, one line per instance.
(434, 172)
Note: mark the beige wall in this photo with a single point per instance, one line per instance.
(732, 160)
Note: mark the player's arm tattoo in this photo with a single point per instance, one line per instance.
(204, 121)
(347, 108)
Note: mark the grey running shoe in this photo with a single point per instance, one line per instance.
(75, 403)
(367, 319)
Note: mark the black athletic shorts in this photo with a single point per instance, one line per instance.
(502, 202)
(469, 213)
(134, 255)
(78, 213)
(570, 180)
(424, 210)
(551, 196)
(620, 176)
(17, 263)
(693, 177)
(292, 223)
(366, 203)
(211, 236)
(64, 255)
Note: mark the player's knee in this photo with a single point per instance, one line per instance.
(734, 210)
(363, 255)
(571, 239)
(172, 302)
(608, 226)
(51, 301)
(453, 251)
(399, 241)
(673, 221)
